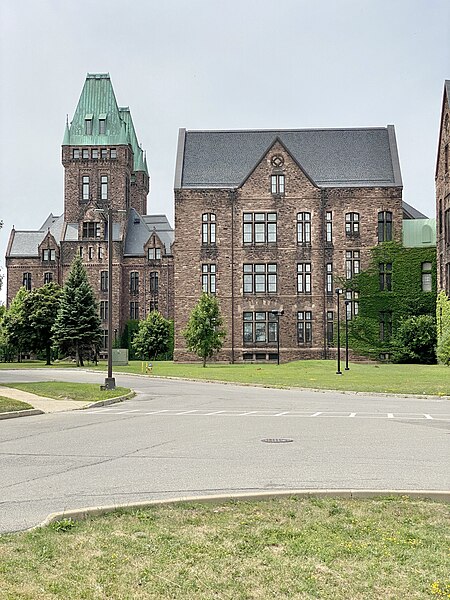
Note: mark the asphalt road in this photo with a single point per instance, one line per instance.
(179, 438)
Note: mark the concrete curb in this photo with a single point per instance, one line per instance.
(108, 402)
(91, 511)
(21, 413)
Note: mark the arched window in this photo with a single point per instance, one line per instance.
(352, 224)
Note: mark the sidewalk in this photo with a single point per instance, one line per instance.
(46, 405)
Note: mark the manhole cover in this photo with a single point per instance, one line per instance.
(277, 440)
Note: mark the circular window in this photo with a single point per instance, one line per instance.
(277, 160)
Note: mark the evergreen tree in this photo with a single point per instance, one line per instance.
(41, 307)
(15, 328)
(77, 326)
(152, 337)
(204, 332)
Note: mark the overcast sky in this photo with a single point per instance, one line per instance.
(215, 64)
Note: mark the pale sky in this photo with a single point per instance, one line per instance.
(215, 64)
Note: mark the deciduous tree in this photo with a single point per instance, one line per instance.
(41, 307)
(204, 333)
(152, 337)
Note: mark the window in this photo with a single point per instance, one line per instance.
(104, 153)
(330, 327)
(304, 228)
(91, 229)
(277, 184)
(208, 229)
(85, 188)
(304, 327)
(260, 328)
(134, 310)
(100, 252)
(426, 277)
(447, 226)
(154, 284)
(48, 277)
(103, 281)
(352, 263)
(48, 254)
(385, 325)
(153, 305)
(104, 310)
(95, 153)
(88, 126)
(26, 281)
(385, 226)
(352, 304)
(81, 251)
(154, 254)
(127, 190)
(85, 153)
(134, 282)
(352, 224)
(113, 153)
(385, 270)
(104, 341)
(329, 278)
(260, 279)
(104, 187)
(102, 127)
(91, 252)
(76, 153)
(209, 278)
(304, 278)
(260, 228)
(329, 227)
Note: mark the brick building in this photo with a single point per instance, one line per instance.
(442, 179)
(103, 166)
(271, 220)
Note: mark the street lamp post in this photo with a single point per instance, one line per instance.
(110, 382)
(278, 314)
(347, 304)
(338, 372)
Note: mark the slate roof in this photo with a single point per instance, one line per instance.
(409, 212)
(331, 157)
(26, 243)
(139, 230)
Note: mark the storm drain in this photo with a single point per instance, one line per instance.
(277, 440)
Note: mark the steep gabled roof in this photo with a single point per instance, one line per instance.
(26, 243)
(140, 229)
(446, 97)
(409, 212)
(98, 101)
(331, 157)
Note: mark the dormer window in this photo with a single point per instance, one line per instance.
(85, 153)
(154, 254)
(76, 153)
(94, 153)
(88, 124)
(104, 153)
(277, 184)
(48, 254)
(102, 124)
(91, 230)
(113, 153)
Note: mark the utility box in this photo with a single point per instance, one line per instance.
(119, 357)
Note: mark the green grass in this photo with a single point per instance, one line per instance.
(10, 405)
(321, 374)
(38, 364)
(87, 392)
(284, 549)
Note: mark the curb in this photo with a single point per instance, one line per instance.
(107, 402)
(91, 511)
(21, 413)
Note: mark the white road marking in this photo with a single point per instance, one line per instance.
(286, 412)
(352, 415)
(217, 412)
(427, 416)
(251, 412)
(317, 414)
(186, 412)
(156, 412)
(390, 415)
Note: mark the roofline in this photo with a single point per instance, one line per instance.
(446, 81)
(276, 131)
(10, 242)
(394, 155)
(180, 158)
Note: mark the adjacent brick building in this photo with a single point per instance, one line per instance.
(103, 166)
(442, 179)
(277, 220)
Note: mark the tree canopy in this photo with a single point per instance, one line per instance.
(77, 326)
(41, 307)
(152, 337)
(204, 332)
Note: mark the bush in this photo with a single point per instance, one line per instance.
(443, 349)
(415, 340)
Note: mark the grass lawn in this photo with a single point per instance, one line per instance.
(386, 378)
(9, 405)
(87, 392)
(288, 548)
(38, 364)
